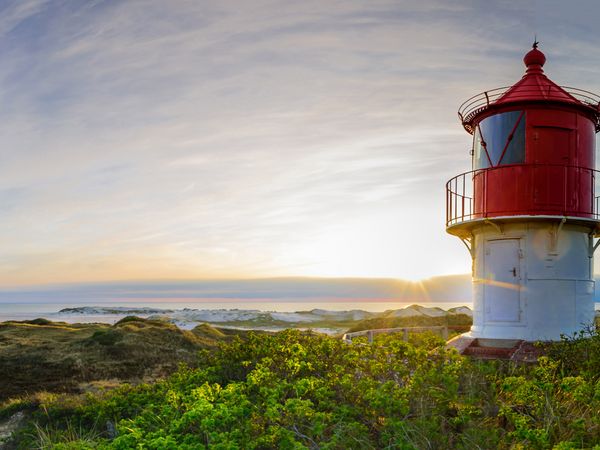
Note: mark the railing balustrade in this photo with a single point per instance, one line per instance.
(464, 203)
(480, 102)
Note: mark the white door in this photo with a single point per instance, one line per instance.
(502, 281)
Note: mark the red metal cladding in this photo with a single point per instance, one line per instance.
(533, 190)
(559, 136)
(534, 152)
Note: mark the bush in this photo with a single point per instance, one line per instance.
(107, 337)
(579, 354)
(304, 390)
(38, 321)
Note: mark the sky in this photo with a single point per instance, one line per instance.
(146, 140)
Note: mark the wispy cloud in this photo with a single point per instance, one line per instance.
(202, 138)
(14, 13)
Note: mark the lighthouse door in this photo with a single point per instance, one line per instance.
(502, 281)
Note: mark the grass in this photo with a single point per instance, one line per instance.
(456, 320)
(273, 390)
(47, 437)
(40, 355)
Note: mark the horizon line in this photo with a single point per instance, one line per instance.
(59, 284)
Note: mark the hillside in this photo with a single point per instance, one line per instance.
(54, 356)
(63, 357)
(455, 318)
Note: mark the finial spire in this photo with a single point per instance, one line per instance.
(534, 59)
(535, 41)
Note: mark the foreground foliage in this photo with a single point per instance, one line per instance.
(298, 390)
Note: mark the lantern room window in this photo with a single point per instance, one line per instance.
(499, 140)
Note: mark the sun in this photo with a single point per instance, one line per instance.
(372, 247)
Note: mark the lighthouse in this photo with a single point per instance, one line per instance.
(527, 211)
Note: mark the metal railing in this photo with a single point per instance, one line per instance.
(370, 334)
(480, 102)
(462, 204)
(459, 198)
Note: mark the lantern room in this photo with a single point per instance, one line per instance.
(533, 151)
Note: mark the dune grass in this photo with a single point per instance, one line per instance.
(40, 355)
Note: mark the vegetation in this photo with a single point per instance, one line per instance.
(461, 321)
(294, 390)
(55, 356)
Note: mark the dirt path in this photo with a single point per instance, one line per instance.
(9, 425)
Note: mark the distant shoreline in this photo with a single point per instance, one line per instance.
(242, 318)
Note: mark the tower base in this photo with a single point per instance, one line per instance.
(532, 280)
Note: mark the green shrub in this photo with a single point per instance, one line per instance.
(297, 390)
(579, 353)
(106, 337)
(39, 321)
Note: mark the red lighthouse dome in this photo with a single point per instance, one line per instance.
(535, 85)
